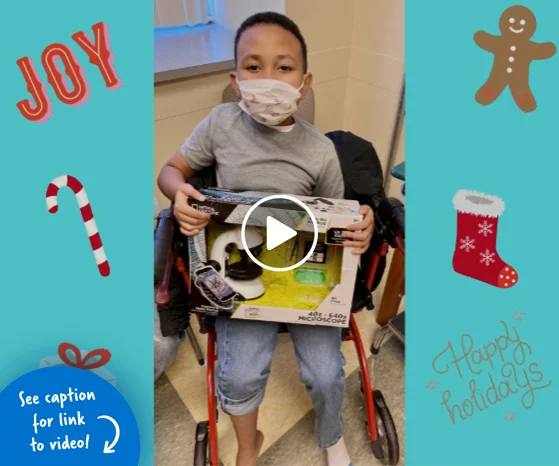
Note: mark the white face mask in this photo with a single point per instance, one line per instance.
(268, 101)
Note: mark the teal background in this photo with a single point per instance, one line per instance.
(52, 290)
(453, 143)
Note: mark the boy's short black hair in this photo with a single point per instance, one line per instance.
(278, 20)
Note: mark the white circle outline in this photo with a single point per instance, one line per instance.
(300, 204)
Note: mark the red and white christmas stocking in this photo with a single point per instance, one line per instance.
(476, 255)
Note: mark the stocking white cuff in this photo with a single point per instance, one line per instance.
(472, 202)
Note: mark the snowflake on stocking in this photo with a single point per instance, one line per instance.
(485, 228)
(487, 257)
(478, 217)
(467, 244)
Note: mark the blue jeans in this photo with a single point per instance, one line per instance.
(245, 350)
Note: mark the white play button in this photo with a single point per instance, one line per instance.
(277, 233)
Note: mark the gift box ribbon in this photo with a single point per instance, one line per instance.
(83, 363)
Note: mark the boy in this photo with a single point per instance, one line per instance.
(257, 145)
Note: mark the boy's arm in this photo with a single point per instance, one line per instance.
(359, 235)
(173, 175)
(196, 153)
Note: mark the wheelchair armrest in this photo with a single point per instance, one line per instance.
(162, 289)
(361, 294)
(390, 219)
(163, 240)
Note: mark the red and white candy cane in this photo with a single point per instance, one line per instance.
(87, 215)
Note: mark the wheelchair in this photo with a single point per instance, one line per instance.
(171, 256)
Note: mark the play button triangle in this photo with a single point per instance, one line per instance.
(277, 233)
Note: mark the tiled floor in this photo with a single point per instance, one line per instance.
(289, 433)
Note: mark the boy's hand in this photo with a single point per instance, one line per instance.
(360, 234)
(191, 221)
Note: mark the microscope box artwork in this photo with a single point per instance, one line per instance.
(225, 281)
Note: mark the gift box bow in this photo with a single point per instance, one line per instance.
(83, 362)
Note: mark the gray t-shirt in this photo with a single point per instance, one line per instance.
(253, 157)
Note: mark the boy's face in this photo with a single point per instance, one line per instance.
(268, 51)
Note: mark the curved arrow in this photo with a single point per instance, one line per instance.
(109, 448)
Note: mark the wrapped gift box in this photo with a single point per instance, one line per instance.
(93, 361)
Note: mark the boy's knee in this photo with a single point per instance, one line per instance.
(326, 376)
(240, 395)
(235, 386)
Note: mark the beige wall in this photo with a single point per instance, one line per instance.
(376, 72)
(356, 53)
(327, 27)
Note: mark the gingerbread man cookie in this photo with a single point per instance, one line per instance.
(514, 52)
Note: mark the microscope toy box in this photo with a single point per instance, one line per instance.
(225, 281)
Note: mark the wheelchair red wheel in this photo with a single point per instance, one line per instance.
(202, 448)
(386, 448)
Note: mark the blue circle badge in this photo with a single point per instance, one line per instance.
(66, 416)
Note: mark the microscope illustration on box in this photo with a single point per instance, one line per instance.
(323, 206)
(223, 282)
